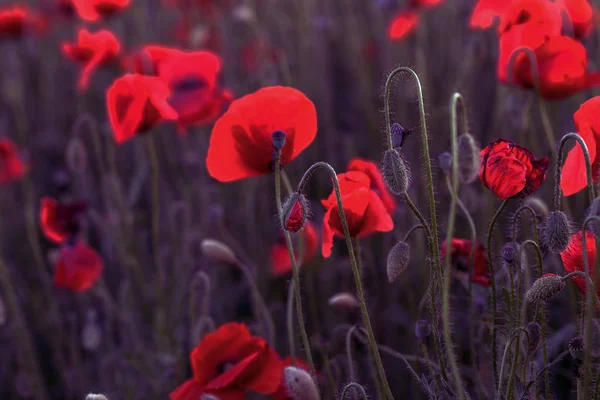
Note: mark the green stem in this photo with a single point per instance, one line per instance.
(506, 347)
(533, 221)
(413, 229)
(597, 386)
(290, 320)
(356, 386)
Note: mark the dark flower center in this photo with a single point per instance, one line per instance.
(189, 83)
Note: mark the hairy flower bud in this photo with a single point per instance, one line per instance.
(577, 347)
(445, 161)
(218, 251)
(343, 301)
(397, 260)
(422, 330)
(546, 288)
(295, 210)
(299, 384)
(278, 139)
(468, 158)
(395, 172)
(557, 232)
(532, 340)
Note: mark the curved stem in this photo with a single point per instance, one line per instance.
(533, 220)
(411, 231)
(355, 270)
(290, 320)
(559, 164)
(506, 347)
(207, 295)
(545, 369)
(586, 277)
(349, 353)
(88, 119)
(493, 282)
(356, 386)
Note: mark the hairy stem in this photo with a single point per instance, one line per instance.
(559, 165)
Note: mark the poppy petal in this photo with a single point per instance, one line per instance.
(376, 218)
(403, 25)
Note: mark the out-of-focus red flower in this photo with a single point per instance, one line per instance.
(280, 258)
(460, 251)
(572, 258)
(92, 50)
(192, 78)
(377, 184)
(587, 122)
(282, 392)
(59, 221)
(136, 103)
(92, 10)
(581, 14)
(12, 168)
(78, 267)
(66, 8)
(147, 60)
(241, 144)
(15, 20)
(403, 25)
(365, 212)
(510, 170)
(228, 362)
(255, 51)
(486, 12)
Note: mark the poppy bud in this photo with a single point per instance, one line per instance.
(533, 330)
(278, 139)
(218, 251)
(299, 384)
(577, 347)
(294, 211)
(594, 210)
(76, 156)
(397, 260)
(395, 173)
(546, 288)
(343, 301)
(468, 158)
(399, 133)
(509, 253)
(422, 330)
(557, 232)
(445, 160)
(92, 396)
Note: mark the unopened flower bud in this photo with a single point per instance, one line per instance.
(422, 330)
(445, 161)
(294, 211)
(509, 253)
(218, 251)
(533, 337)
(278, 139)
(557, 232)
(344, 301)
(93, 396)
(468, 158)
(577, 347)
(546, 288)
(299, 384)
(399, 133)
(398, 260)
(395, 172)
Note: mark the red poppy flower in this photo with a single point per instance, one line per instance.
(66, 8)
(147, 60)
(486, 12)
(572, 258)
(460, 251)
(59, 221)
(510, 170)
(241, 144)
(403, 25)
(78, 267)
(377, 184)
(280, 258)
(574, 178)
(581, 14)
(92, 10)
(92, 50)
(136, 103)
(229, 362)
(12, 167)
(365, 212)
(282, 392)
(15, 20)
(192, 78)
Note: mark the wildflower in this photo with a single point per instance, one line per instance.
(510, 170)
(295, 211)
(147, 60)
(509, 253)
(92, 10)
(573, 176)
(422, 330)
(581, 15)
(78, 266)
(137, 103)
(407, 21)
(280, 257)
(92, 50)
(241, 144)
(460, 251)
(397, 260)
(228, 362)
(59, 221)
(577, 347)
(13, 21)
(547, 287)
(377, 183)
(365, 212)
(572, 258)
(396, 173)
(557, 231)
(486, 12)
(12, 168)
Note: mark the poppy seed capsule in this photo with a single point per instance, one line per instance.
(509, 253)
(533, 330)
(557, 232)
(577, 347)
(422, 330)
(468, 158)
(218, 251)
(344, 301)
(299, 384)
(294, 212)
(278, 139)
(546, 288)
(399, 133)
(398, 260)
(395, 172)
(445, 160)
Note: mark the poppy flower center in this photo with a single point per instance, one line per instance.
(190, 83)
(221, 368)
(151, 117)
(106, 8)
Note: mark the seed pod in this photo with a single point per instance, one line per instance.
(546, 288)
(577, 347)
(468, 158)
(397, 260)
(299, 384)
(295, 210)
(344, 301)
(534, 334)
(445, 161)
(509, 253)
(395, 172)
(218, 251)
(278, 139)
(557, 232)
(422, 330)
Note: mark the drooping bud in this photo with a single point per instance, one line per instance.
(557, 232)
(509, 253)
(546, 288)
(468, 158)
(594, 210)
(395, 172)
(533, 330)
(299, 384)
(218, 251)
(93, 396)
(278, 139)
(295, 210)
(397, 260)
(577, 347)
(422, 330)
(344, 301)
(399, 133)
(445, 161)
